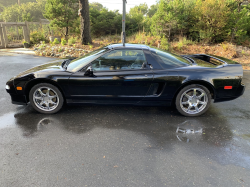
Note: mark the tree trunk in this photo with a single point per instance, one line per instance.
(85, 22)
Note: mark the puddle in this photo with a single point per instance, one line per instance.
(7, 121)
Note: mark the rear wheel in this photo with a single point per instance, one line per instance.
(193, 100)
(46, 98)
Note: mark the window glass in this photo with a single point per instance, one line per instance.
(120, 60)
(169, 60)
(215, 61)
(79, 63)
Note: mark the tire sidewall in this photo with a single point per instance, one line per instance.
(177, 101)
(61, 100)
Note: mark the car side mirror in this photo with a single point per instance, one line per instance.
(146, 66)
(89, 72)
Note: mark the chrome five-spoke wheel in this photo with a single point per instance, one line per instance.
(46, 98)
(193, 100)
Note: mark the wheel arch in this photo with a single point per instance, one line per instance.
(34, 82)
(206, 84)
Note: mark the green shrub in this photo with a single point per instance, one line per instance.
(164, 44)
(36, 37)
(63, 42)
(56, 41)
(70, 42)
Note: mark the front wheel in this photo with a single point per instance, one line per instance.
(46, 98)
(193, 100)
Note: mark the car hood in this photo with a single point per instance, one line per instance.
(53, 66)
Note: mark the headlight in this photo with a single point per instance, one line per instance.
(7, 87)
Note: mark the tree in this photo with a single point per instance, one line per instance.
(137, 15)
(12, 2)
(96, 6)
(152, 10)
(238, 23)
(62, 14)
(212, 17)
(31, 11)
(85, 22)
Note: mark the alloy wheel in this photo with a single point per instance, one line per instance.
(193, 101)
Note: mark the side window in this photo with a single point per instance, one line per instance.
(170, 60)
(120, 60)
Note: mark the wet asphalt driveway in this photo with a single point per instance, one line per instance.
(119, 145)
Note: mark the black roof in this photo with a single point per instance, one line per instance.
(127, 45)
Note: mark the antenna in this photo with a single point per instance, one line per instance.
(123, 35)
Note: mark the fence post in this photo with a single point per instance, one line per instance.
(17, 31)
(1, 36)
(5, 36)
(28, 28)
(25, 34)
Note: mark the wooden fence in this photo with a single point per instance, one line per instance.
(5, 41)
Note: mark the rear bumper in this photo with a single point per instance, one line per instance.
(239, 92)
(18, 99)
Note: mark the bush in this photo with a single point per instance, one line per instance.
(56, 41)
(63, 42)
(72, 41)
(164, 44)
(36, 37)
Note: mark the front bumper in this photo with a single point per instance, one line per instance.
(18, 99)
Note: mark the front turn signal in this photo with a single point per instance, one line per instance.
(19, 88)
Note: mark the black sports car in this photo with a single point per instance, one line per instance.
(131, 74)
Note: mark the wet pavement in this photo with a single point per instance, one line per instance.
(121, 146)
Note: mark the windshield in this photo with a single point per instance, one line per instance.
(170, 60)
(79, 63)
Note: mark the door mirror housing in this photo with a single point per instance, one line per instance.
(145, 65)
(89, 72)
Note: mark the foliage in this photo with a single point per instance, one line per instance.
(164, 44)
(72, 41)
(238, 22)
(207, 21)
(63, 42)
(56, 41)
(212, 17)
(36, 37)
(62, 14)
(12, 2)
(31, 11)
(104, 22)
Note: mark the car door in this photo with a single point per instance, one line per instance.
(120, 76)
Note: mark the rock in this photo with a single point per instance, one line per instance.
(57, 55)
(52, 38)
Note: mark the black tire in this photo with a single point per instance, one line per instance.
(198, 106)
(49, 101)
